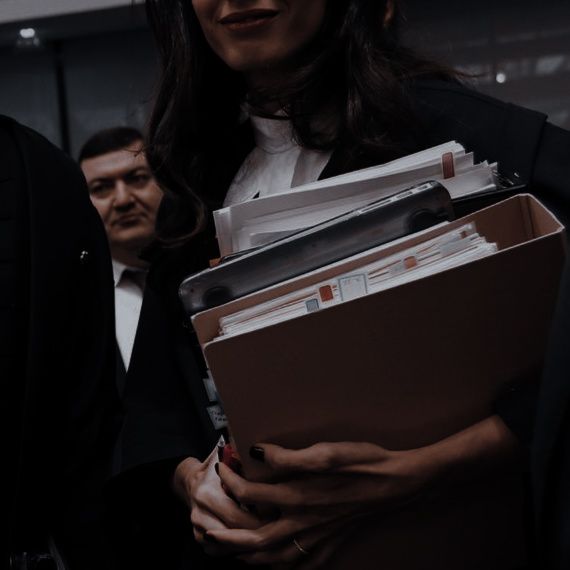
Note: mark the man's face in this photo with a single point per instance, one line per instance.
(126, 196)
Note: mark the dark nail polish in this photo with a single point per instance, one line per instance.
(210, 538)
(257, 453)
(217, 469)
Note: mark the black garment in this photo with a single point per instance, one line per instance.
(153, 525)
(59, 405)
(551, 446)
(167, 417)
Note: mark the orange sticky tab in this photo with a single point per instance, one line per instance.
(448, 165)
(326, 293)
(410, 262)
(214, 262)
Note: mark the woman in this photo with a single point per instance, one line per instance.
(258, 95)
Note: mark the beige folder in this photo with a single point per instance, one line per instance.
(404, 368)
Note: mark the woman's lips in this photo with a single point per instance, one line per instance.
(247, 20)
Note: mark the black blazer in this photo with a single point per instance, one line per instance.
(59, 403)
(551, 446)
(166, 406)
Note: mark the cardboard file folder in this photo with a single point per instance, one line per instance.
(404, 368)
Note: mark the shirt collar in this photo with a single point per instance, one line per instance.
(272, 135)
(119, 268)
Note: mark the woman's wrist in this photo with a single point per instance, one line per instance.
(471, 453)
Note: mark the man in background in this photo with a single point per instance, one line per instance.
(147, 525)
(125, 194)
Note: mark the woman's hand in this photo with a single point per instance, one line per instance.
(211, 508)
(322, 490)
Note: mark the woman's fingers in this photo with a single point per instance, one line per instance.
(211, 498)
(200, 523)
(304, 546)
(199, 485)
(320, 556)
(203, 520)
(287, 554)
(332, 492)
(268, 536)
(249, 493)
(318, 458)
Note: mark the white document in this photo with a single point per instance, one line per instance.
(451, 249)
(264, 229)
(263, 220)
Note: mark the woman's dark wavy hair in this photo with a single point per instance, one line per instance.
(354, 71)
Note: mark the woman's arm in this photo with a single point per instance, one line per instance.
(332, 484)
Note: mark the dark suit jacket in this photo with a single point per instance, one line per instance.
(59, 403)
(551, 446)
(166, 408)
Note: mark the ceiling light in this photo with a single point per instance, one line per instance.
(27, 33)
(501, 77)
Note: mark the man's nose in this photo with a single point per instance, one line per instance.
(123, 195)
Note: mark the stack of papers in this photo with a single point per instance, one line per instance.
(261, 221)
(446, 251)
(375, 224)
(399, 366)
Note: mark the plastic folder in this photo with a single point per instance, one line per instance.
(379, 222)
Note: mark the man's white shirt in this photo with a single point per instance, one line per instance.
(128, 302)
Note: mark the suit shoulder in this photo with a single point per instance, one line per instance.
(494, 130)
(458, 104)
(440, 93)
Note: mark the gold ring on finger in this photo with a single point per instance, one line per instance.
(300, 548)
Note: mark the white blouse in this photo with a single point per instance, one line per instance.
(276, 164)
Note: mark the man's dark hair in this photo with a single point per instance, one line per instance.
(109, 140)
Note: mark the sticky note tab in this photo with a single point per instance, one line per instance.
(404, 265)
(312, 305)
(352, 286)
(326, 293)
(448, 165)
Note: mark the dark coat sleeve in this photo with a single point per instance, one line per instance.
(529, 150)
(62, 403)
(550, 182)
(551, 445)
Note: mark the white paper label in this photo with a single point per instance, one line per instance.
(352, 286)
(218, 417)
(211, 389)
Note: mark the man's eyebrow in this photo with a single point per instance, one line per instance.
(126, 174)
(136, 169)
(101, 179)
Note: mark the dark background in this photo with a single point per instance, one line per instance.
(90, 70)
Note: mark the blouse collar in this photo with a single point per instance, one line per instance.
(272, 135)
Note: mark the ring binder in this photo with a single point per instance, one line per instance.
(412, 210)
